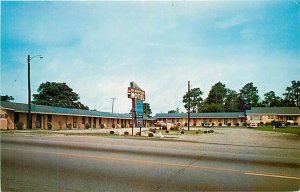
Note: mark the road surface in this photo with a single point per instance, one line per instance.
(75, 163)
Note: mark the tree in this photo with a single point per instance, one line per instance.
(147, 109)
(195, 99)
(6, 98)
(57, 94)
(217, 94)
(292, 95)
(174, 111)
(231, 101)
(271, 100)
(215, 99)
(248, 96)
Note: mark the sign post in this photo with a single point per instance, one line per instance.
(137, 96)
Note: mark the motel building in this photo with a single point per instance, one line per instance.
(61, 118)
(65, 118)
(268, 114)
(198, 119)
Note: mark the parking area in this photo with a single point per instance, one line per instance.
(220, 135)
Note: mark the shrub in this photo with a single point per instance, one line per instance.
(220, 124)
(295, 123)
(211, 131)
(49, 126)
(202, 124)
(69, 126)
(208, 131)
(205, 131)
(261, 123)
(122, 125)
(288, 123)
(197, 132)
(19, 125)
(126, 133)
(164, 127)
(112, 132)
(102, 125)
(167, 131)
(150, 134)
(176, 128)
(267, 124)
(237, 124)
(182, 132)
(86, 126)
(194, 124)
(113, 125)
(138, 133)
(244, 124)
(229, 124)
(172, 128)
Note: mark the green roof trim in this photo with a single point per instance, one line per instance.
(274, 110)
(201, 115)
(21, 107)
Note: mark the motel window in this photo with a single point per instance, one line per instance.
(49, 118)
(255, 118)
(83, 120)
(74, 121)
(118, 121)
(225, 121)
(271, 117)
(100, 121)
(234, 121)
(113, 121)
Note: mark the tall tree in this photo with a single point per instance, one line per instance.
(271, 100)
(292, 95)
(249, 96)
(6, 98)
(217, 94)
(195, 99)
(57, 94)
(231, 101)
(147, 109)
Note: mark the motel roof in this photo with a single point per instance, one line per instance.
(274, 110)
(201, 115)
(42, 109)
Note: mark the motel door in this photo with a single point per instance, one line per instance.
(16, 118)
(38, 120)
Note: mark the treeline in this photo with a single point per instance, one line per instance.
(222, 99)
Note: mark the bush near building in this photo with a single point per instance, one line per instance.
(20, 125)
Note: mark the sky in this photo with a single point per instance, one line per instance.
(97, 48)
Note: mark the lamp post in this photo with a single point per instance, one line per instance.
(29, 58)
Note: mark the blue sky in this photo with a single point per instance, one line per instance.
(97, 48)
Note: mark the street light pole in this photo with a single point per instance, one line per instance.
(29, 117)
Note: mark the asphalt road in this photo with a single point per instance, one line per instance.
(73, 163)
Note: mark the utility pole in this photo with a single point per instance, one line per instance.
(112, 105)
(29, 117)
(189, 105)
(29, 121)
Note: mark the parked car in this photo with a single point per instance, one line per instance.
(280, 124)
(207, 125)
(159, 123)
(252, 125)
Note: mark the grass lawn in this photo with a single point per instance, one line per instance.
(292, 130)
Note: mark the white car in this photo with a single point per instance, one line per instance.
(252, 125)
